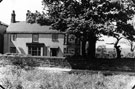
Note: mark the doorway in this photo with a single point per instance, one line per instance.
(54, 51)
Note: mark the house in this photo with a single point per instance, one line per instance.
(36, 40)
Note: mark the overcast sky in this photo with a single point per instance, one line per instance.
(20, 7)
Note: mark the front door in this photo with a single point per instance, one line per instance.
(54, 51)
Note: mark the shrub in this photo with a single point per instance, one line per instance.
(31, 62)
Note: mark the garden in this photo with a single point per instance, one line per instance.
(23, 73)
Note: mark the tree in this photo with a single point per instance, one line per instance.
(117, 25)
(120, 31)
(131, 38)
(88, 19)
(1, 0)
(37, 17)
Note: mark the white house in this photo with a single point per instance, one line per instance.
(36, 40)
(33, 39)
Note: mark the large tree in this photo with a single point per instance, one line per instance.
(88, 19)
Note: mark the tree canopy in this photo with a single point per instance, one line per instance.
(88, 19)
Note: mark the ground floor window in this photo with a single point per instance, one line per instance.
(34, 50)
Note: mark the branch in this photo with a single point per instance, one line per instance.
(2, 87)
(133, 1)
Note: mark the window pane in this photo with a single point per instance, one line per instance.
(54, 37)
(12, 49)
(34, 50)
(35, 37)
(13, 37)
(39, 53)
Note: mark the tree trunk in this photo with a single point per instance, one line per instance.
(91, 47)
(83, 48)
(118, 50)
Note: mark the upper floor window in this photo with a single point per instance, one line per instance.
(65, 39)
(13, 37)
(54, 37)
(35, 37)
(71, 39)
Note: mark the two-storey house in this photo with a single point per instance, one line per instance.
(36, 40)
(33, 39)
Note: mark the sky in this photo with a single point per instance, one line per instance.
(20, 7)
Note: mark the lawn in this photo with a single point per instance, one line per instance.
(23, 76)
(12, 77)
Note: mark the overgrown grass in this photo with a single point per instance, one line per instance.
(13, 77)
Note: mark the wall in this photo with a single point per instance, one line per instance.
(22, 39)
(6, 43)
(2, 31)
(47, 40)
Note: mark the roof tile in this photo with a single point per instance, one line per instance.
(24, 27)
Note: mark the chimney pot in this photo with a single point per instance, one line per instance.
(13, 17)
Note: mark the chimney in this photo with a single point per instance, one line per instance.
(13, 17)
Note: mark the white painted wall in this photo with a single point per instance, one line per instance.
(22, 39)
(47, 40)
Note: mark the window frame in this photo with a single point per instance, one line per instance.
(13, 37)
(55, 37)
(34, 50)
(37, 37)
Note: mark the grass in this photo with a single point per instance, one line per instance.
(14, 76)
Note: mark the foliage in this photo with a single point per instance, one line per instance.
(87, 19)
(37, 17)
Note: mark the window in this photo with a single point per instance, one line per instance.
(71, 50)
(34, 50)
(71, 39)
(13, 37)
(12, 49)
(65, 39)
(65, 50)
(35, 37)
(54, 37)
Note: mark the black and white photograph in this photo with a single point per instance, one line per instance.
(67, 44)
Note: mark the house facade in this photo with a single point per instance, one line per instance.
(36, 40)
(33, 39)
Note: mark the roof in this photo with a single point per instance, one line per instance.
(24, 27)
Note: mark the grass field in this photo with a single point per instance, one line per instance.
(14, 75)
